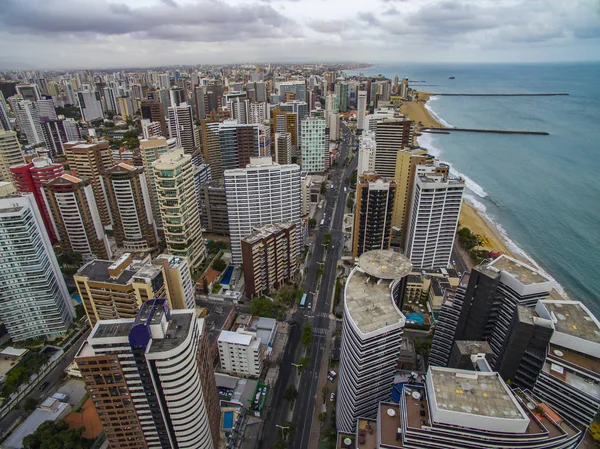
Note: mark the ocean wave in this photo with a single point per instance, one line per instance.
(510, 244)
(434, 114)
(426, 141)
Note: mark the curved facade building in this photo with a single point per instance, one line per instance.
(372, 331)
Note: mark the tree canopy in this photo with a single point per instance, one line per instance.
(219, 264)
(307, 334)
(56, 435)
(263, 307)
(290, 393)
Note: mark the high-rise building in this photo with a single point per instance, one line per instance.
(177, 95)
(371, 335)
(243, 351)
(110, 100)
(90, 160)
(46, 108)
(238, 144)
(10, 154)
(150, 150)
(179, 208)
(569, 378)
(214, 207)
(153, 110)
(287, 122)
(199, 102)
(341, 90)
(375, 198)
(248, 206)
(391, 136)
(129, 199)
(90, 105)
(4, 120)
(456, 408)
(164, 81)
(35, 301)
(433, 219)
(283, 148)
(269, 258)
(29, 178)
(366, 152)
(361, 108)
(29, 92)
(298, 88)
(125, 106)
(181, 127)
(58, 132)
(77, 224)
(129, 364)
(485, 305)
(180, 285)
(28, 119)
(258, 113)
(211, 147)
(314, 145)
(333, 123)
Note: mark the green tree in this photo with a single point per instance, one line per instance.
(131, 142)
(263, 307)
(322, 416)
(290, 393)
(325, 392)
(219, 264)
(280, 444)
(307, 334)
(326, 239)
(312, 222)
(303, 363)
(56, 435)
(29, 404)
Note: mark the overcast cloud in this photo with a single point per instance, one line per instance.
(141, 33)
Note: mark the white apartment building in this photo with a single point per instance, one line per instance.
(361, 108)
(366, 152)
(371, 335)
(34, 298)
(241, 353)
(181, 126)
(162, 386)
(90, 104)
(433, 217)
(314, 146)
(28, 119)
(178, 204)
(258, 113)
(262, 193)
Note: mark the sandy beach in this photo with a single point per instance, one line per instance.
(469, 217)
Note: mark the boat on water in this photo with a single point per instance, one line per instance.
(452, 77)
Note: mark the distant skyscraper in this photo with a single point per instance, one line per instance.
(28, 119)
(199, 102)
(153, 110)
(361, 108)
(90, 105)
(10, 154)
(46, 108)
(214, 207)
(29, 92)
(181, 127)
(238, 144)
(247, 207)
(391, 136)
(55, 135)
(373, 214)
(371, 335)
(366, 152)
(35, 301)
(110, 100)
(314, 147)
(129, 200)
(283, 148)
(77, 224)
(179, 209)
(164, 81)
(125, 107)
(435, 208)
(156, 407)
(211, 147)
(287, 122)
(29, 178)
(4, 120)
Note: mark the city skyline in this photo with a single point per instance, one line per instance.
(110, 34)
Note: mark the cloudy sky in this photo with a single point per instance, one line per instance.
(142, 33)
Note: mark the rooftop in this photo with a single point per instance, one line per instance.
(235, 338)
(573, 318)
(384, 264)
(97, 270)
(370, 303)
(39, 416)
(112, 328)
(266, 231)
(524, 273)
(389, 422)
(473, 392)
(177, 331)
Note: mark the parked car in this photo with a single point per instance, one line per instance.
(43, 386)
(332, 397)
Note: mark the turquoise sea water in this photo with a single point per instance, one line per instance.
(542, 192)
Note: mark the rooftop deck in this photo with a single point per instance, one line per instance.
(573, 318)
(524, 273)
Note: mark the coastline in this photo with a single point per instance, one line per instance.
(469, 215)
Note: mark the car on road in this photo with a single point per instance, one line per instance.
(330, 379)
(43, 386)
(310, 305)
(332, 397)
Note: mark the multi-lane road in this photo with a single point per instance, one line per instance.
(318, 315)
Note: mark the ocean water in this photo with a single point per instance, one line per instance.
(542, 192)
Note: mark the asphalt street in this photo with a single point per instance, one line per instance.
(318, 315)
